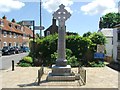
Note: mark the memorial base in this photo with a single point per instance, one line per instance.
(61, 73)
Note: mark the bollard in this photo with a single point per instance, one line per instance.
(38, 77)
(12, 65)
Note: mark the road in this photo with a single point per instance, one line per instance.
(6, 61)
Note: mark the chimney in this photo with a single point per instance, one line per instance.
(100, 23)
(53, 21)
(13, 20)
(4, 17)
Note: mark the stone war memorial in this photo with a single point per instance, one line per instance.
(61, 71)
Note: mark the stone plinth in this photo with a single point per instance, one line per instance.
(50, 77)
(61, 71)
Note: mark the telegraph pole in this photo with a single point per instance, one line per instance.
(40, 20)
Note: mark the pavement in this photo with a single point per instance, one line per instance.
(6, 60)
(26, 77)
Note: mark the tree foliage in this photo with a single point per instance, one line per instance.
(110, 20)
(87, 34)
(77, 48)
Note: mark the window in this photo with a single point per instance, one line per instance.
(10, 44)
(10, 25)
(4, 43)
(14, 43)
(48, 33)
(24, 35)
(14, 35)
(10, 34)
(17, 44)
(5, 34)
(16, 27)
(1, 23)
(17, 35)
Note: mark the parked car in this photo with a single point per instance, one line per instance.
(25, 49)
(8, 50)
(17, 49)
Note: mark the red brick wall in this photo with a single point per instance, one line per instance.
(11, 39)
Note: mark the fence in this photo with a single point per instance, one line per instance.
(82, 73)
(40, 73)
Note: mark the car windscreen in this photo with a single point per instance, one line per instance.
(4, 48)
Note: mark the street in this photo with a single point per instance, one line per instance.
(6, 61)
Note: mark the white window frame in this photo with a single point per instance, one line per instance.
(1, 23)
(14, 35)
(10, 34)
(14, 43)
(4, 43)
(4, 33)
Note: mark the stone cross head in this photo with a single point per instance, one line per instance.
(61, 14)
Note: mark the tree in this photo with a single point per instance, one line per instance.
(87, 34)
(98, 38)
(109, 20)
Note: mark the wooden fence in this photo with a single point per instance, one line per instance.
(82, 73)
(40, 73)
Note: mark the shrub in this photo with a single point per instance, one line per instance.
(24, 64)
(79, 47)
(28, 59)
(71, 60)
(96, 64)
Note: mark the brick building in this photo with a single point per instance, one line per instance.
(13, 34)
(52, 29)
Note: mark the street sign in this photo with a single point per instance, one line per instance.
(27, 23)
(39, 28)
(99, 55)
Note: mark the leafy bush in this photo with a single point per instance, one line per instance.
(96, 64)
(79, 47)
(24, 64)
(28, 59)
(71, 60)
(98, 38)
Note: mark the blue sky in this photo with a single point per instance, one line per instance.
(85, 13)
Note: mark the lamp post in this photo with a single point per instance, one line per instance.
(61, 15)
(40, 19)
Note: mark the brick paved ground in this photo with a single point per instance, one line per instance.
(104, 77)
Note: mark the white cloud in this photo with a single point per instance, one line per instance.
(52, 5)
(99, 7)
(8, 5)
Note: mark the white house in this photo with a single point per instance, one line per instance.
(116, 44)
(108, 33)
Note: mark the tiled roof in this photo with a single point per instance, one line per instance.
(28, 31)
(14, 29)
(108, 32)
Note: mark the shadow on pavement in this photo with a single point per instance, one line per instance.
(32, 84)
(115, 66)
(26, 85)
